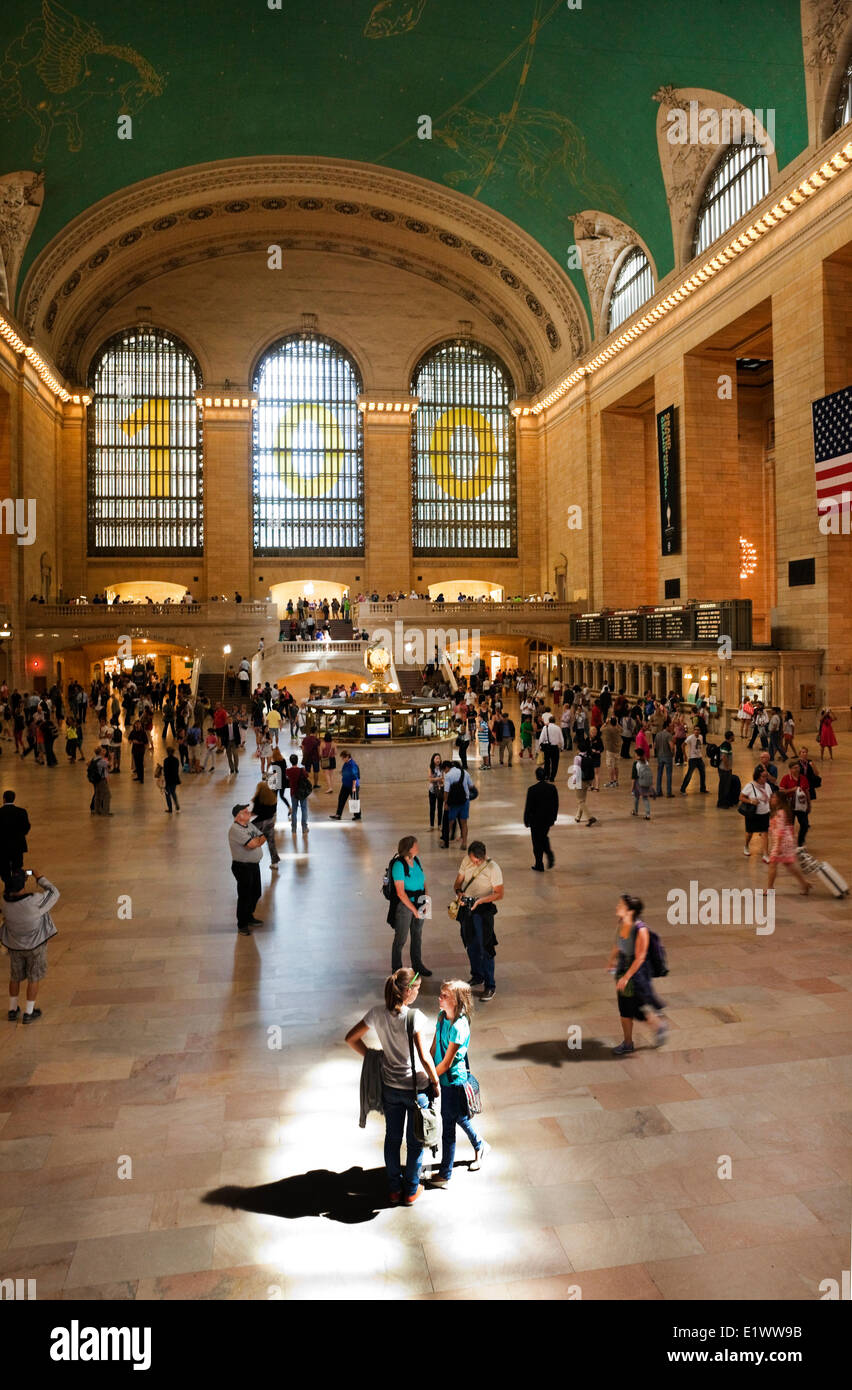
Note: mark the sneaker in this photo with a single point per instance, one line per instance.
(31, 1018)
(634, 813)
(481, 1154)
(648, 816)
(395, 1199)
(410, 1199)
(14, 1014)
(623, 1049)
(662, 1034)
(487, 994)
(475, 980)
(747, 852)
(244, 931)
(439, 1182)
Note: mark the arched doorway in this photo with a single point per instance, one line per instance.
(471, 588)
(140, 590)
(314, 590)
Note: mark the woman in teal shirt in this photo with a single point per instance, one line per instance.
(408, 894)
(449, 1051)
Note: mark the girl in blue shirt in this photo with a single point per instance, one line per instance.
(449, 1051)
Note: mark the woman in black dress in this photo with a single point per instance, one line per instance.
(628, 962)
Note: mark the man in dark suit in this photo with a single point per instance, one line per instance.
(540, 812)
(14, 828)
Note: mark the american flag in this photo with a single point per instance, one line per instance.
(832, 417)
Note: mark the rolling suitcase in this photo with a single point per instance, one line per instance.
(823, 873)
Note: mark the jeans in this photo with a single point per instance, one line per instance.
(397, 1105)
(403, 923)
(694, 765)
(171, 796)
(647, 800)
(267, 828)
(664, 763)
(481, 965)
(436, 800)
(298, 804)
(454, 1112)
(804, 825)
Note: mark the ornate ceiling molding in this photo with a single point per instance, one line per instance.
(826, 40)
(21, 197)
(284, 195)
(685, 167)
(601, 239)
(72, 351)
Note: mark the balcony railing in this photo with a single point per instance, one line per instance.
(425, 608)
(42, 614)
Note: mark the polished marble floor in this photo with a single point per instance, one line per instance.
(154, 1078)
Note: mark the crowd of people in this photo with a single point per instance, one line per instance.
(602, 732)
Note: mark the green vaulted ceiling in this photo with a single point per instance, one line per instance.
(538, 109)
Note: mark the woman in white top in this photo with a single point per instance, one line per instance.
(390, 1022)
(755, 796)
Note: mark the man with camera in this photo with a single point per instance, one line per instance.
(27, 928)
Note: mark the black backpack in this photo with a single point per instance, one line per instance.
(714, 754)
(92, 772)
(656, 955)
(388, 890)
(456, 795)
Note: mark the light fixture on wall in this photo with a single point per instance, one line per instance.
(748, 558)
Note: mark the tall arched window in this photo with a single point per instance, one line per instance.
(145, 493)
(739, 181)
(634, 284)
(463, 454)
(308, 456)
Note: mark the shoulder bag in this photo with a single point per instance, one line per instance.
(470, 1086)
(455, 906)
(427, 1121)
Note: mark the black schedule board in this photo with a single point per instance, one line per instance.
(668, 457)
(624, 627)
(587, 629)
(708, 623)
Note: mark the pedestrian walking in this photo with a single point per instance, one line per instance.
(27, 928)
(139, 745)
(246, 846)
(782, 843)
(643, 782)
(540, 813)
(300, 787)
(550, 745)
(97, 774)
(14, 829)
(694, 749)
(328, 761)
(628, 962)
(350, 786)
(402, 1032)
(263, 808)
(755, 798)
(796, 787)
(171, 780)
(436, 791)
(458, 789)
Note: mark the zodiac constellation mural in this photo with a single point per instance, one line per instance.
(393, 17)
(61, 63)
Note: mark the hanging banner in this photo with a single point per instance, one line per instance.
(668, 457)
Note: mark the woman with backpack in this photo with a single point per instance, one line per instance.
(406, 888)
(582, 775)
(630, 965)
(449, 1052)
(263, 807)
(401, 1029)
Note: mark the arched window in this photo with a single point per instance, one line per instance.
(843, 109)
(634, 284)
(145, 493)
(308, 457)
(463, 454)
(739, 181)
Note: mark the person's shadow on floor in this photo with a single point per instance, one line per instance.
(557, 1053)
(351, 1197)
